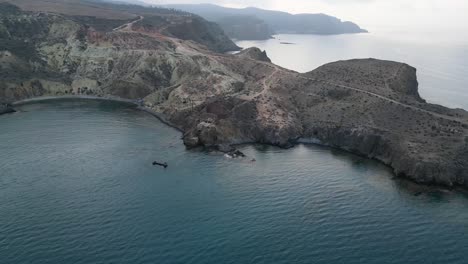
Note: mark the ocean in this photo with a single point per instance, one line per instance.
(441, 60)
(77, 185)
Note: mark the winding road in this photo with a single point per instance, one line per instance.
(128, 26)
(277, 69)
(299, 75)
(388, 100)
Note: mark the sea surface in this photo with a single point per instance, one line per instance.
(77, 185)
(441, 59)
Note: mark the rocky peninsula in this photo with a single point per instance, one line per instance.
(368, 107)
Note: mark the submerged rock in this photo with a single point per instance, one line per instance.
(237, 154)
(234, 154)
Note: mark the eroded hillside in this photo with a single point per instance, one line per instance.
(368, 107)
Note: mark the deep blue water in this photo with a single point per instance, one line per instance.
(77, 186)
(441, 60)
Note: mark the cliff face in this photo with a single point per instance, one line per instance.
(368, 107)
(379, 113)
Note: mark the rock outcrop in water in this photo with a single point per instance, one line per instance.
(368, 107)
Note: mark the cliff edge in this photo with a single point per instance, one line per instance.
(368, 107)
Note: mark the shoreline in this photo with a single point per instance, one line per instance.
(163, 119)
(160, 117)
(87, 97)
(134, 103)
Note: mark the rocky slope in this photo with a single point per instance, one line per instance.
(105, 17)
(368, 107)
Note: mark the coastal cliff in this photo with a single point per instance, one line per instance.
(368, 107)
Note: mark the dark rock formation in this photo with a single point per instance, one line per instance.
(235, 154)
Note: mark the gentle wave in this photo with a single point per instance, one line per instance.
(77, 186)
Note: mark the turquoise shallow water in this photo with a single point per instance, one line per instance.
(77, 186)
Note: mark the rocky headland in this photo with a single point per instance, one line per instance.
(368, 107)
(259, 24)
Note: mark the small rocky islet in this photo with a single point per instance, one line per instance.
(368, 107)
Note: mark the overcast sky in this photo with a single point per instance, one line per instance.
(371, 14)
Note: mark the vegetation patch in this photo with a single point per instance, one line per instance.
(24, 50)
(338, 94)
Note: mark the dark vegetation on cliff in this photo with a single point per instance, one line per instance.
(254, 23)
(369, 107)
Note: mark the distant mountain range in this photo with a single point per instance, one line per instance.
(254, 23)
(125, 2)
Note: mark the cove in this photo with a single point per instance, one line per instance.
(77, 186)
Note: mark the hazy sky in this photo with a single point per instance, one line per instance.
(371, 14)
